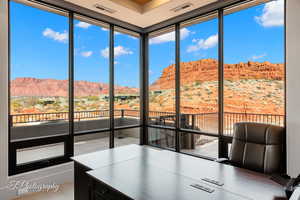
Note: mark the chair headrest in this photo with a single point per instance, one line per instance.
(258, 133)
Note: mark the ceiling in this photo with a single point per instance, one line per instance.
(141, 2)
(142, 13)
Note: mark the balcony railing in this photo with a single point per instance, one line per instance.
(201, 121)
(231, 118)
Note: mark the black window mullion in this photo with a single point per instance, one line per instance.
(177, 86)
(111, 86)
(222, 144)
(69, 147)
(144, 89)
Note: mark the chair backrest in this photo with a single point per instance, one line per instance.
(258, 147)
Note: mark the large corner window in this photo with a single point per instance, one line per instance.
(196, 102)
(39, 84)
(126, 86)
(254, 64)
(162, 78)
(78, 85)
(61, 86)
(38, 73)
(91, 85)
(199, 84)
(161, 92)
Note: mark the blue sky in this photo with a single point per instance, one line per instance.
(39, 42)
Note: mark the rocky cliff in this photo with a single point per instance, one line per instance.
(207, 70)
(54, 88)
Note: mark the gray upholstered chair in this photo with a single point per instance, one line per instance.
(258, 147)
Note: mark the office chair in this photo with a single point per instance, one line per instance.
(258, 147)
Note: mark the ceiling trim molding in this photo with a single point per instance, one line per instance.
(88, 13)
(141, 8)
(153, 4)
(62, 4)
(194, 13)
(129, 4)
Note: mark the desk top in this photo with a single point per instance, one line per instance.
(104, 158)
(144, 173)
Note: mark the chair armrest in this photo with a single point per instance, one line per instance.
(222, 160)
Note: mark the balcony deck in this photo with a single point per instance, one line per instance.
(207, 122)
(48, 124)
(83, 146)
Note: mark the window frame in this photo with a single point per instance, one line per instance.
(224, 140)
(68, 140)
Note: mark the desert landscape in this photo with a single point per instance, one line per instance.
(252, 87)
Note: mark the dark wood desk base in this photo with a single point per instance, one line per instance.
(86, 188)
(100, 191)
(81, 182)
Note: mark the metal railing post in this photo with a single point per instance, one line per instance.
(193, 121)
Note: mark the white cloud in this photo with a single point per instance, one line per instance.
(210, 42)
(83, 25)
(184, 33)
(57, 36)
(86, 54)
(105, 52)
(169, 37)
(257, 57)
(273, 14)
(118, 50)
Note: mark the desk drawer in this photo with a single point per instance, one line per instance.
(102, 192)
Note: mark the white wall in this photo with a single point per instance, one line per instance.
(3, 91)
(57, 174)
(293, 86)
